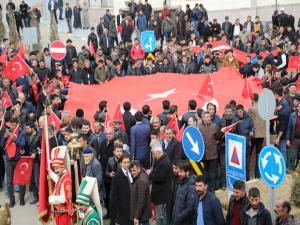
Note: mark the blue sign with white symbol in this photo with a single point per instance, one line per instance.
(235, 159)
(148, 40)
(272, 166)
(193, 143)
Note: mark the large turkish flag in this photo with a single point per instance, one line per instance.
(153, 89)
(23, 170)
(16, 68)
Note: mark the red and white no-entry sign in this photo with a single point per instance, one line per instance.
(58, 50)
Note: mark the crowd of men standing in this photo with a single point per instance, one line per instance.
(127, 162)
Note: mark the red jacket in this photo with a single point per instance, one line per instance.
(137, 52)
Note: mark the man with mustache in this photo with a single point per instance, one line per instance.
(255, 212)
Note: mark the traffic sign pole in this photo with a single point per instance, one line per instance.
(266, 108)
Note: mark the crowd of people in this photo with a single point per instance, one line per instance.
(127, 161)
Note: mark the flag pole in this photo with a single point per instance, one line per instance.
(248, 92)
(46, 139)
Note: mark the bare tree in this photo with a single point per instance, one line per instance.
(53, 29)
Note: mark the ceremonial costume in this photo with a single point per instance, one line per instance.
(88, 196)
(61, 199)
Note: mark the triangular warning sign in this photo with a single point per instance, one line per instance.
(234, 157)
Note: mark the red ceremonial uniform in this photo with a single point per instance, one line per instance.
(63, 190)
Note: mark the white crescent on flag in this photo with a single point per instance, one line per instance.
(22, 165)
(14, 67)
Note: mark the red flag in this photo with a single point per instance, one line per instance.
(173, 124)
(10, 145)
(21, 50)
(6, 100)
(65, 80)
(108, 121)
(258, 81)
(3, 119)
(20, 89)
(53, 120)
(23, 170)
(46, 79)
(15, 68)
(294, 62)
(92, 50)
(3, 58)
(35, 91)
(247, 91)
(229, 128)
(180, 133)
(44, 206)
(207, 90)
(118, 116)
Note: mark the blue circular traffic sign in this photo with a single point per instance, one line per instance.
(271, 165)
(193, 143)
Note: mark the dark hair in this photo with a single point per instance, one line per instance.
(29, 124)
(86, 123)
(155, 132)
(135, 163)
(192, 104)
(117, 145)
(215, 107)
(232, 103)
(127, 106)
(79, 113)
(228, 106)
(287, 205)
(201, 179)
(53, 96)
(146, 109)
(102, 105)
(125, 155)
(278, 91)
(138, 116)
(173, 109)
(84, 137)
(166, 104)
(240, 107)
(254, 192)
(239, 185)
(194, 117)
(185, 166)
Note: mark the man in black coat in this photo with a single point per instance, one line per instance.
(71, 53)
(93, 38)
(120, 193)
(106, 42)
(172, 147)
(106, 152)
(260, 215)
(237, 201)
(33, 144)
(161, 176)
(128, 118)
(283, 18)
(76, 73)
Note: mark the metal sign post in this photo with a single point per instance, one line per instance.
(266, 108)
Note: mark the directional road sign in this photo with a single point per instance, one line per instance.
(193, 143)
(272, 166)
(235, 159)
(148, 40)
(58, 50)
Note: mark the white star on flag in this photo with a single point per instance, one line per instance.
(161, 95)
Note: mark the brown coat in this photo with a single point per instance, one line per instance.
(233, 63)
(140, 200)
(210, 135)
(259, 123)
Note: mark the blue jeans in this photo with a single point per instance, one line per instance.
(146, 222)
(282, 148)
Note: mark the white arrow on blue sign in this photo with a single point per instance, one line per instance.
(272, 166)
(148, 40)
(193, 143)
